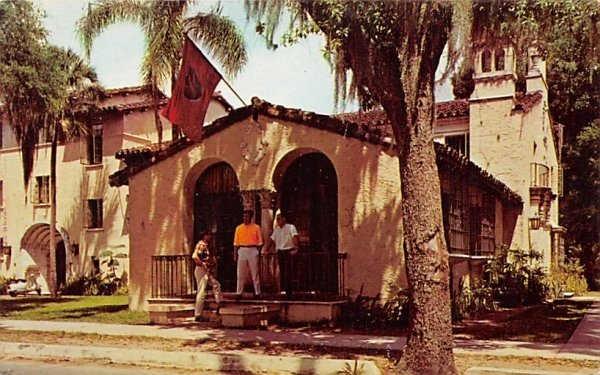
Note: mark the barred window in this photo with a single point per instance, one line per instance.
(483, 223)
(456, 219)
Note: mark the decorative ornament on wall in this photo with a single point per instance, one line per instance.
(254, 146)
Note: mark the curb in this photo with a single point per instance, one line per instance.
(255, 363)
(509, 371)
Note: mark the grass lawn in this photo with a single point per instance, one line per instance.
(100, 309)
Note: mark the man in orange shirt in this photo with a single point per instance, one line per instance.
(247, 243)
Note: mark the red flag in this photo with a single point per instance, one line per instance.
(193, 91)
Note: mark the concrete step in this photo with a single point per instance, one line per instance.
(246, 316)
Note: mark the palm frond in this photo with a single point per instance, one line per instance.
(164, 42)
(221, 38)
(106, 13)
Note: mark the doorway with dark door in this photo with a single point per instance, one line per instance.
(309, 197)
(61, 264)
(218, 210)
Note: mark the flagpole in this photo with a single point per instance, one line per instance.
(232, 90)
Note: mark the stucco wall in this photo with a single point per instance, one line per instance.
(369, 215)
(505, 141)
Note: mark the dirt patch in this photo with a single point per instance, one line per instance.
(546, 323)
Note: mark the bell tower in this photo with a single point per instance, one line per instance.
(494, 72)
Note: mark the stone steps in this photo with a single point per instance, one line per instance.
(245, 316)
(231, 314)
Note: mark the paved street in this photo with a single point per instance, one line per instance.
(13, 366)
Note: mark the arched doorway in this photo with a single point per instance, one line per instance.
(309, 197)
(35, 246)
(218, 209)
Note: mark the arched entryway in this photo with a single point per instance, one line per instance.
(309, 197)
(218, 209)
(34, 251)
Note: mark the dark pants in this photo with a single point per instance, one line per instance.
(285, 270)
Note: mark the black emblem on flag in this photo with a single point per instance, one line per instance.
(192, 89)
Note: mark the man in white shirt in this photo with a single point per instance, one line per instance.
(285, 240)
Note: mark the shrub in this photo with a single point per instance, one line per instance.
(516, 277)
(568, 277)
(97, 285)
(4, 284)
(373, 313)
(472, 300)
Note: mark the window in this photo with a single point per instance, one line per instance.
(94, 215)
(1, 194)
(458, 142)
(456, 220)
(93, 146)
(540, 175)
(40, 190)
(483, 224)
(499, 59)
(560, 182)
(486, 61)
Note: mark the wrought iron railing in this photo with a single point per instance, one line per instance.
(318, 272)
(172, 276)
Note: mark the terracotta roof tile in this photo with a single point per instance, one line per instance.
(146, 103)
(124, 91)
(140, 158)
(132, 106)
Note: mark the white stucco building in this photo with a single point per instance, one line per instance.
(90, 213)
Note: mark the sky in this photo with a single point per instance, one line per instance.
(295, 76)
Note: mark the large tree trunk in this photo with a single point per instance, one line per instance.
(52, 258)
(429, 344)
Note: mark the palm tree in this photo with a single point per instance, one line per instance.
(80, 91)
(46, 92)
(165, 24)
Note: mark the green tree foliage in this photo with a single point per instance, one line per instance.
(569, 38)
(165, 23)
(582, 212)
(27, 77)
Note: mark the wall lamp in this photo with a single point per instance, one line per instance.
(535, 222)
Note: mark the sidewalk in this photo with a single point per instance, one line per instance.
(583, 345)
